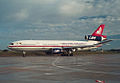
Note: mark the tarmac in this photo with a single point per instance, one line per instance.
(60, 69)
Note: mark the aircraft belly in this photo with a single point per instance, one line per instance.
(88, 48)
(31, 48)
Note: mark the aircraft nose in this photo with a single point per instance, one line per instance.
(10, 45)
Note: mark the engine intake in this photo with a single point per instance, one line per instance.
(57, 51)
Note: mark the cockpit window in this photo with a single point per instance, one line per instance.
(18, 43)
(11, 43)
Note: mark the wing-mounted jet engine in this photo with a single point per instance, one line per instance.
(57, 51)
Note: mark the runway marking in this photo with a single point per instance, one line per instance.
(82, 70)
(55, 61)
(62, 67)
(49, 73)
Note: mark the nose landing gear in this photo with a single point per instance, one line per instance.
(24, 53)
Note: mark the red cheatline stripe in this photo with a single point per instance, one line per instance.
(98, 45)
(39, 46)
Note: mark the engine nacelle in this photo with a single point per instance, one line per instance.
(57, 51)
(95, 38)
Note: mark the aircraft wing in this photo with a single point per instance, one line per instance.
(106, 41)
(86, 46)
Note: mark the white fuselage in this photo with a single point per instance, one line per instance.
(44, 45)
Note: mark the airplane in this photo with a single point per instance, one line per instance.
(63, 47)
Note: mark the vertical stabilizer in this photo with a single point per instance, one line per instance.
(99, 30)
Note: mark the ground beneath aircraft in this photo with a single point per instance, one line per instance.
(60, 69)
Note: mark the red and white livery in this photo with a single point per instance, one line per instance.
(64, 47)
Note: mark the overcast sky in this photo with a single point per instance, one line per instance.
(57, 19)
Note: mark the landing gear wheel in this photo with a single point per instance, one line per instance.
(67, 53)
(70, 53)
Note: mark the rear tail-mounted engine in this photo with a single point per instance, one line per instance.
(95, 38)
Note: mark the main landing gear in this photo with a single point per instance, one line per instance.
(67, 53)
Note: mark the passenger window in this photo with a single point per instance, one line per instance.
(20, 43)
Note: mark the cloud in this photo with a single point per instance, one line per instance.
(42, 1)
(17, 16)
(21, 15)
(72, 8)
(99, 19)
(89, 7)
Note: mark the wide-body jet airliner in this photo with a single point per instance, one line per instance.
(63, 47)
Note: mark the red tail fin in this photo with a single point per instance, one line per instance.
(99, 30)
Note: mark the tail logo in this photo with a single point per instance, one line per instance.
(99, 31)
